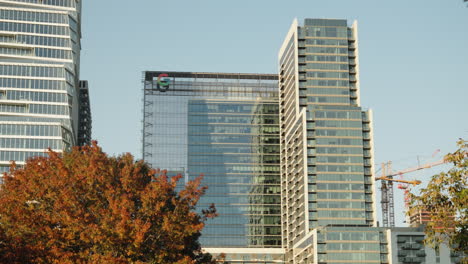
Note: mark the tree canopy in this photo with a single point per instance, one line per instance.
(446, 199)
(85, 207)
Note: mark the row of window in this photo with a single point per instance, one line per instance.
(325, 222)
(248, 222)
(249, 209)
(337, 177)
(340, 168)
(37, 84)
(214, 92)
(35, 28)
(44, 41)
(325, 99)
(35, 96)
(335, 133)
(201, 169)
(35, 109)
(337, 214)
(331, 32)
(241, 230)
(7, 39)
(354, 246)
(33, 16)
(232, 108)
(257, 199)
(330, 74)
(234, 129)
(49, 109)
(30, 143)
(16, 51)
(275, 159)
(327, 50)
(324, 91)
(340, 186)
(9, 108)
(273, 119)
(243, 190)
(53, 53)
(339, 150)
(330, 42)
(19, 155)
(325, 66)
(331, 159)
(337, 205)
(343, 83)
(242, 139)
(241, 179)
(326, 58)
(30, 130)
(63, 3)
(199, 82)
(34, 71)
(212, 149)
(336, 141)
(336, 195)
(367, 257)
(338, 123)
(338, 114)
(240, 241)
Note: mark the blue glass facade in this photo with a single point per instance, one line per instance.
(39, 69)
(224, 126)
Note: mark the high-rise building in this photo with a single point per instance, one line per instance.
(224, 126)
(326, 148)
(327, 179)
(39, 73)
(290, 169)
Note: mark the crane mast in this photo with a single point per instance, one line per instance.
(387, 201)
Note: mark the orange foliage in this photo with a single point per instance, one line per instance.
(85, 207)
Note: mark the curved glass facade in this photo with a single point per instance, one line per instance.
(39, 69)
(224, 126)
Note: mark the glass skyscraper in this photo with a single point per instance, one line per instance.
(224, 126)
(39, 71)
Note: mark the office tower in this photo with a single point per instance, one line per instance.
(326, 148)
(224, 126)
(39, 71)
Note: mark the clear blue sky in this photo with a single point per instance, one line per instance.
(413, 61)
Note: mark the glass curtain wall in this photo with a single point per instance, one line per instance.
(224, 126)
(39, 69)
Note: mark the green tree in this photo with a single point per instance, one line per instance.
(446, 199)
(85, 207)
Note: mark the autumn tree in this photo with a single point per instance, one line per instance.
(85, 207)
(446, 200)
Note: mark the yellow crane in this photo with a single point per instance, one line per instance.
(387, 202)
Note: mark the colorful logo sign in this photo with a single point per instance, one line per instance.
(163, 82)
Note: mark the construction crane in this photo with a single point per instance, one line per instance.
(387, 202)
